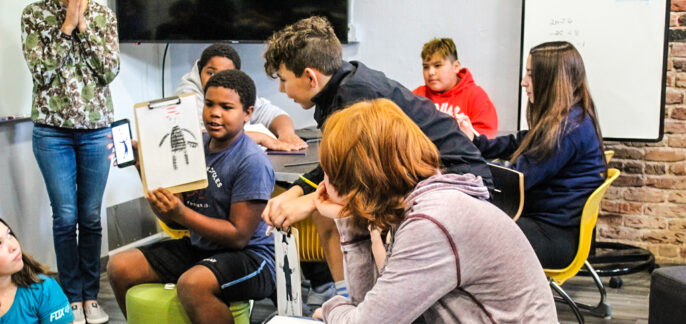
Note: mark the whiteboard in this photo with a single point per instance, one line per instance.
(624, 47)
(16, 84)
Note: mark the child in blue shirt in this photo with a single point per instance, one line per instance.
(560, 155)
(27, 295)
(228, 257)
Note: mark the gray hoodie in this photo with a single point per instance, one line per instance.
(454, 258)
(264, 112)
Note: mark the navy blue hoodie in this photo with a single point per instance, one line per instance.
(556, 188)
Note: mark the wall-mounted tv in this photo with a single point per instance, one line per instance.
(161, 21)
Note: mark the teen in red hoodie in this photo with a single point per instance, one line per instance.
(452, 88)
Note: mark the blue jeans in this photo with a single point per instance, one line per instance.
(75, 167)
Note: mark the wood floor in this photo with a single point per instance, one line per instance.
(629, 303)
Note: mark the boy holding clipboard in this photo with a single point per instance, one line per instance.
(227, 257)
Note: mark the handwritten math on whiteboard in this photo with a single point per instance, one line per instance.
(623, 46)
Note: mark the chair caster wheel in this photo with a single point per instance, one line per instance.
(616, 282)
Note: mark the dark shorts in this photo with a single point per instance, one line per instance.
(242, 275)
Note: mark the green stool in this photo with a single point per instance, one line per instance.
(158, 303)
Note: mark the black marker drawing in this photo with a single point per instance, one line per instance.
(288, 272)
(178, 143)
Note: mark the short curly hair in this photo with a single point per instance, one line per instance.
(235, 80)
(445, 47)
(309, 42)
(221, 50)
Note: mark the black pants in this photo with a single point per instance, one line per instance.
(316, 272)
(554, 245)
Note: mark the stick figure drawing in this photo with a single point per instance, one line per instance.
(177, 141)
(289, 301)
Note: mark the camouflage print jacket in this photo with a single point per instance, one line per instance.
(70, 77)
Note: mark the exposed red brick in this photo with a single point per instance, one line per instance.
(645, 222)
(646, 206)
(678, 64)
(614, 163)
(610, 219)
(668, 251)
(675, 126)
(678, 5)
(635, 167)
(655, 168)
(644, 195)
(664, 154)
(614, 193)
(628, 153)
(678, 224)
(664, 237)
(622, 207)
(628, 180)
(678, 197)
(674, 140)
(678, 168)
(618, 232)
(678, 112)
(664, 210)
(647, 144)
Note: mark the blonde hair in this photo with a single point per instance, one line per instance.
(374, 155)
(445, 47)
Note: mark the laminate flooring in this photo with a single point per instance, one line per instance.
(629, 303)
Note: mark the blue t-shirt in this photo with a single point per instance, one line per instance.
(42, 302)
(241, 172)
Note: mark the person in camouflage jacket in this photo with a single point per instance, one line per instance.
(70, 74)
(72, 51)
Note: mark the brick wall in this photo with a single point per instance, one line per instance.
(646, 205)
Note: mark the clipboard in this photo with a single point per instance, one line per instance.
(170, 144)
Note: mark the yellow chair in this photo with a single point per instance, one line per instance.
(557, 277)
(173, 233)
(608, 155)
(309, 247)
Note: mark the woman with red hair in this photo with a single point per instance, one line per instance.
(452, 257)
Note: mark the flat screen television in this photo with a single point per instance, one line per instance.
(205, 21)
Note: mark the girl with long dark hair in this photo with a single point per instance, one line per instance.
(560, 155)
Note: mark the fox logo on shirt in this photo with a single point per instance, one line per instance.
(59, 313)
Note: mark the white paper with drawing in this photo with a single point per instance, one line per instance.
(171, 142)
(288, 299)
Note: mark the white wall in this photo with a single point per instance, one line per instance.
(24, 201)
(389, 39)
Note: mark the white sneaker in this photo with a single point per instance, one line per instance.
(95, 314)
(78, 314)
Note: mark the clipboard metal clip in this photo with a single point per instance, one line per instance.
(164, 102)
